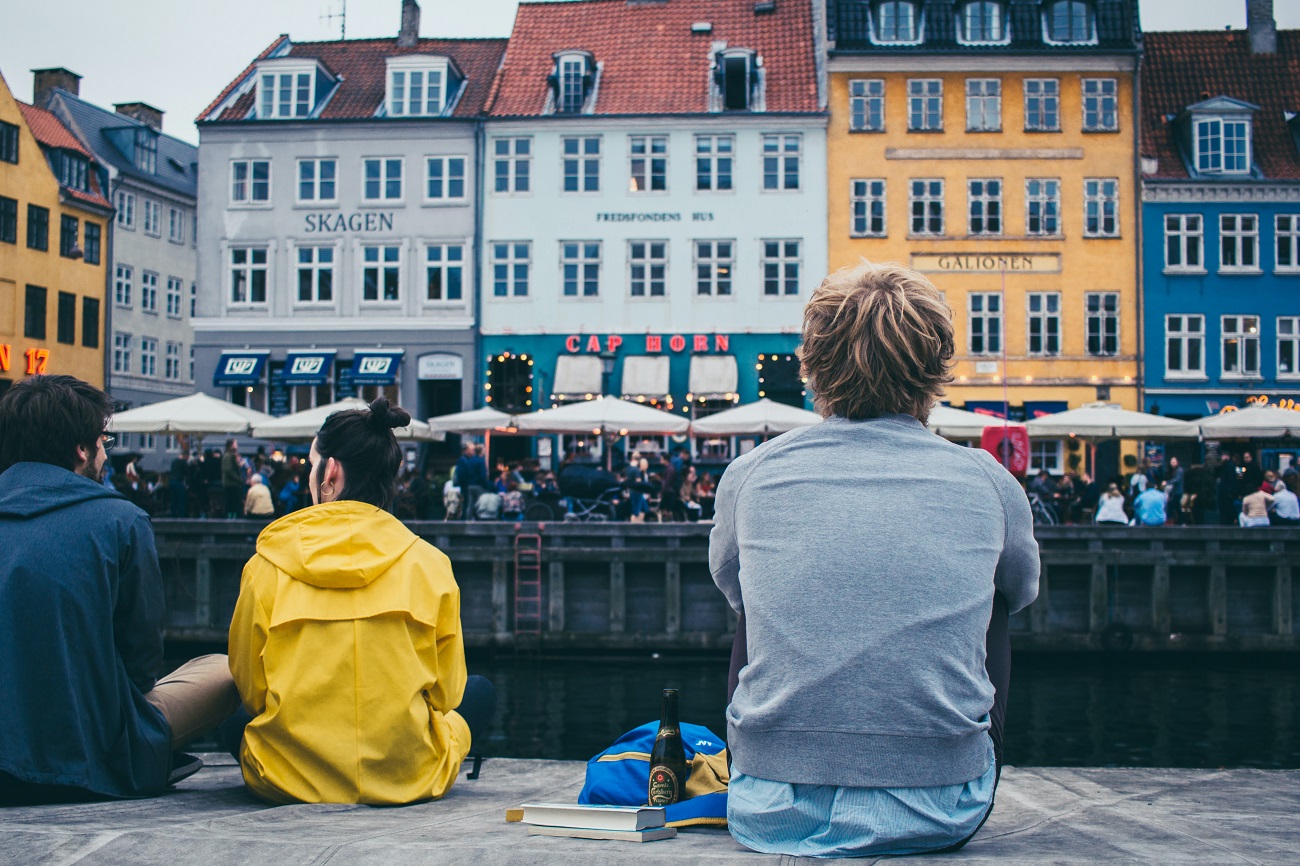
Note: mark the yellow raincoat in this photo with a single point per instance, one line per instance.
(347, 650)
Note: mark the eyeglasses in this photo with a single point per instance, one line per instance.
(108, 441)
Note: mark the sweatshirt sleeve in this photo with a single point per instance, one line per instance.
(249, 627)
(1018, 567)
(724, 548)
(138, 613)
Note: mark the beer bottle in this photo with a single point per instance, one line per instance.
(668, 757)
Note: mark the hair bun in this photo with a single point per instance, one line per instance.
(385, 416)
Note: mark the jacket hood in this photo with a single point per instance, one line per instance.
(336, 545)
(31, 489)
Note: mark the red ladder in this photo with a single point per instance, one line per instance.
(528, 584)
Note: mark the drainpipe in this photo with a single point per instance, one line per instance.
(480, 161)
(1139, 270)
(110, 258)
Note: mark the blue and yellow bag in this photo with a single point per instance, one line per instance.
(619, 776)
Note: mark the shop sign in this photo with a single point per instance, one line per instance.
(317, 223)
(654, 343)
(1264, 400)
(440, 366)
(696, 217)
(38, 360)
(987, 263)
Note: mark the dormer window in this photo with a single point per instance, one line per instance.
(1222, 145)
(74, 171)
(736, 75)
(285, 94)
(572, 81)
(1070, 22)
(146, 150)
(896, 22)
(982, 23)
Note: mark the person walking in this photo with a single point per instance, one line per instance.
(178, 478)
(1175, 488)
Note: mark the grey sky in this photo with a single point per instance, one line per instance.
(178, 55)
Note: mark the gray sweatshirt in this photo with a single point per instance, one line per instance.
(864, 556)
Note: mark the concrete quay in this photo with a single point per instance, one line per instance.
(1059, 816)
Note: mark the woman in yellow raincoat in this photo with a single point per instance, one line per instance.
(346, 641)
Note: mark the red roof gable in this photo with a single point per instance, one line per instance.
(49, 130)
(1182, 69)
(361, 63)
(652, 63)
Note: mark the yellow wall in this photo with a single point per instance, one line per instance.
(1087, 264)
(32, 181)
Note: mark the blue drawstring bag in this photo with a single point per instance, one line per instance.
(619, 776)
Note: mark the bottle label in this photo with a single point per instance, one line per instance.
(663, 786)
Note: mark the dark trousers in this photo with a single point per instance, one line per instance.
(180, 501)
(234, 500)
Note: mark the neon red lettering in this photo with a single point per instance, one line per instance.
(677, 342)
(653, 343)
(571, 343)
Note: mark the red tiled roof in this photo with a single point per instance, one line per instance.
(1182, 69)
(361, 64)
(247, 71)
(94, 197)
(49, 130)
(652, 62)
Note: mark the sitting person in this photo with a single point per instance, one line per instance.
(257, 502)
(1110, 506)
(346, 639)
(872, 657)
(1255, 506)
(1286, 508)
(1149, 507)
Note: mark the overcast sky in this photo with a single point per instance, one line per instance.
(179, 54)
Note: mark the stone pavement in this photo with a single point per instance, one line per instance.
(1060, 816)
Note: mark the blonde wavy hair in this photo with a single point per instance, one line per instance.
(877, 339)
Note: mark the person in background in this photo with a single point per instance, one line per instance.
(1225, 490)
(288, 496)
(178, 476)
(1046, 490)
(232, 479)
(1110, 506)
(258, 504)
(1175, 487)
(1089, 493)
(1139, 480)
(1286, 509)
(1255, 506)
(706, 487)
(1251, 474)
(1149, 509)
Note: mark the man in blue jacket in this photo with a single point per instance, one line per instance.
(82, 712)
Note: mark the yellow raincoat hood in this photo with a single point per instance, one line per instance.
(338, 545)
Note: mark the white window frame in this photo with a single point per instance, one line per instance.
(1286, 227)
(866, 105)
(1047, 317)
(777, 254)
(1101, 103)
(316, 184)
(983, 104)
(964, 21)
(1187, 234)
(577, 254)
(1237, 328)
(570, 73)
(647, 165)
(176, 225)
(986, 309)
(173, 299)
(925, 197)
(1091, 38)
(868, 210)
(709, 160)
(1096, 194)
(447, 167)
(123, 277)
(514, 154)
(149, 357)
(1288, 335)
(918, 23)
(401, 97)
(285, 100)
(123, 343)
(1043, 91)
(511, 260)
(444, 265)
(1046, 454)
(1236, 242)
(149, 292)
(1214, 160)
(642, 267)
(385, 177)
(125, 210)
(314, 268)
(248, 269)
(921, 93)
(711, 280)
(979, 197)
(1180, 334)
(1047, 199)
(172, 363)
(245, 189)
(782, 160)
(382, 264)
(1101, 311)
(578, 165)
(152, 222)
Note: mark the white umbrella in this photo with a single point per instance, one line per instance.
(473, 422)
(764, 418)
(953, 423)
(608, 415)
(305, 424)
(1105, 421)
(197, 414)
(1252, 422)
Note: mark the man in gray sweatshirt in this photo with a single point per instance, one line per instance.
(874, 566)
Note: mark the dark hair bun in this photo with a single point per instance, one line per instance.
(386, 417)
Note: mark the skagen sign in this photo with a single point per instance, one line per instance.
(987, 263)
(348, 222)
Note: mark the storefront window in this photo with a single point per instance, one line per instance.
(510, 383)
(779, 379)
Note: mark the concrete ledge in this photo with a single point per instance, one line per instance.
(1062, 816)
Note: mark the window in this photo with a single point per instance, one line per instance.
(381, 272)
(926, 206)
(1222, 146)
(780, 268)
(122, 285)
(713, 162)
(444, 272)
(34, 312)
(172, 362)
(571, 84)
(152, 218)
(122, 352)
(126, 209)
(38, 227)
(1240, 347)
(985, 206)
(444, 178)
(1069, 21)
(735, 73)
(69, 228)
(896, 21)
(90, 323)
(1044, 312)
(318, 180)
(381, 179)
(715, 262)
(1100, 207)
(73, 171)
(94, 234)
(867, 105)
(984, 320)
(781, 157)
(1102, 310)
(1184, 346)
(983, 105)
(647, 268)
(647, 163)
(983, 23)
(581, 163)
(867, 205)
(1042, 105)
(8, 142)
(511, 263)
(925, 105)
(1100, 105)
(315, 275)
(1286, 241)
(285, 95)
(250, 182)
(148, 356)
(1042, 206)
(194, 301)
(67, 319)
(248, 275)
(1183, 235)
(174, 297)
(512, 162)
(8, 220)
(416, 92)
(1288, 347)
(146, 150)
(176, 225)
(580, 264)
(1239, 243)
(148, 292)
(1045, 454)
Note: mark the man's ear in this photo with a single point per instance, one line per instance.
(82, 458)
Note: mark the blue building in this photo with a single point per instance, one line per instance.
(1221, 218)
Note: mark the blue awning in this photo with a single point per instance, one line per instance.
(1041, 408)
(992, 408)
(308, 368)
(240, 369)
(376, 366)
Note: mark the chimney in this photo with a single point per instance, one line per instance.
(1261, 27)
(409, 35)
(143, 112)
(46, 80)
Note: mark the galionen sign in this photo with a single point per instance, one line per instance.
(987, 263)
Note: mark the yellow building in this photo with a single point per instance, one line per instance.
(992, 145)
(54, 227)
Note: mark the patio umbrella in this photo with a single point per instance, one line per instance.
(472, 423)
(603, 415)
(197, 414)
(1252, 422)
(303, 425)
(764, 418)
(1094, 421)
(953, 423)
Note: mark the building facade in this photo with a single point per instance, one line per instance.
(53, 230)
(654, 184)
(991, 145)
(338, 223)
